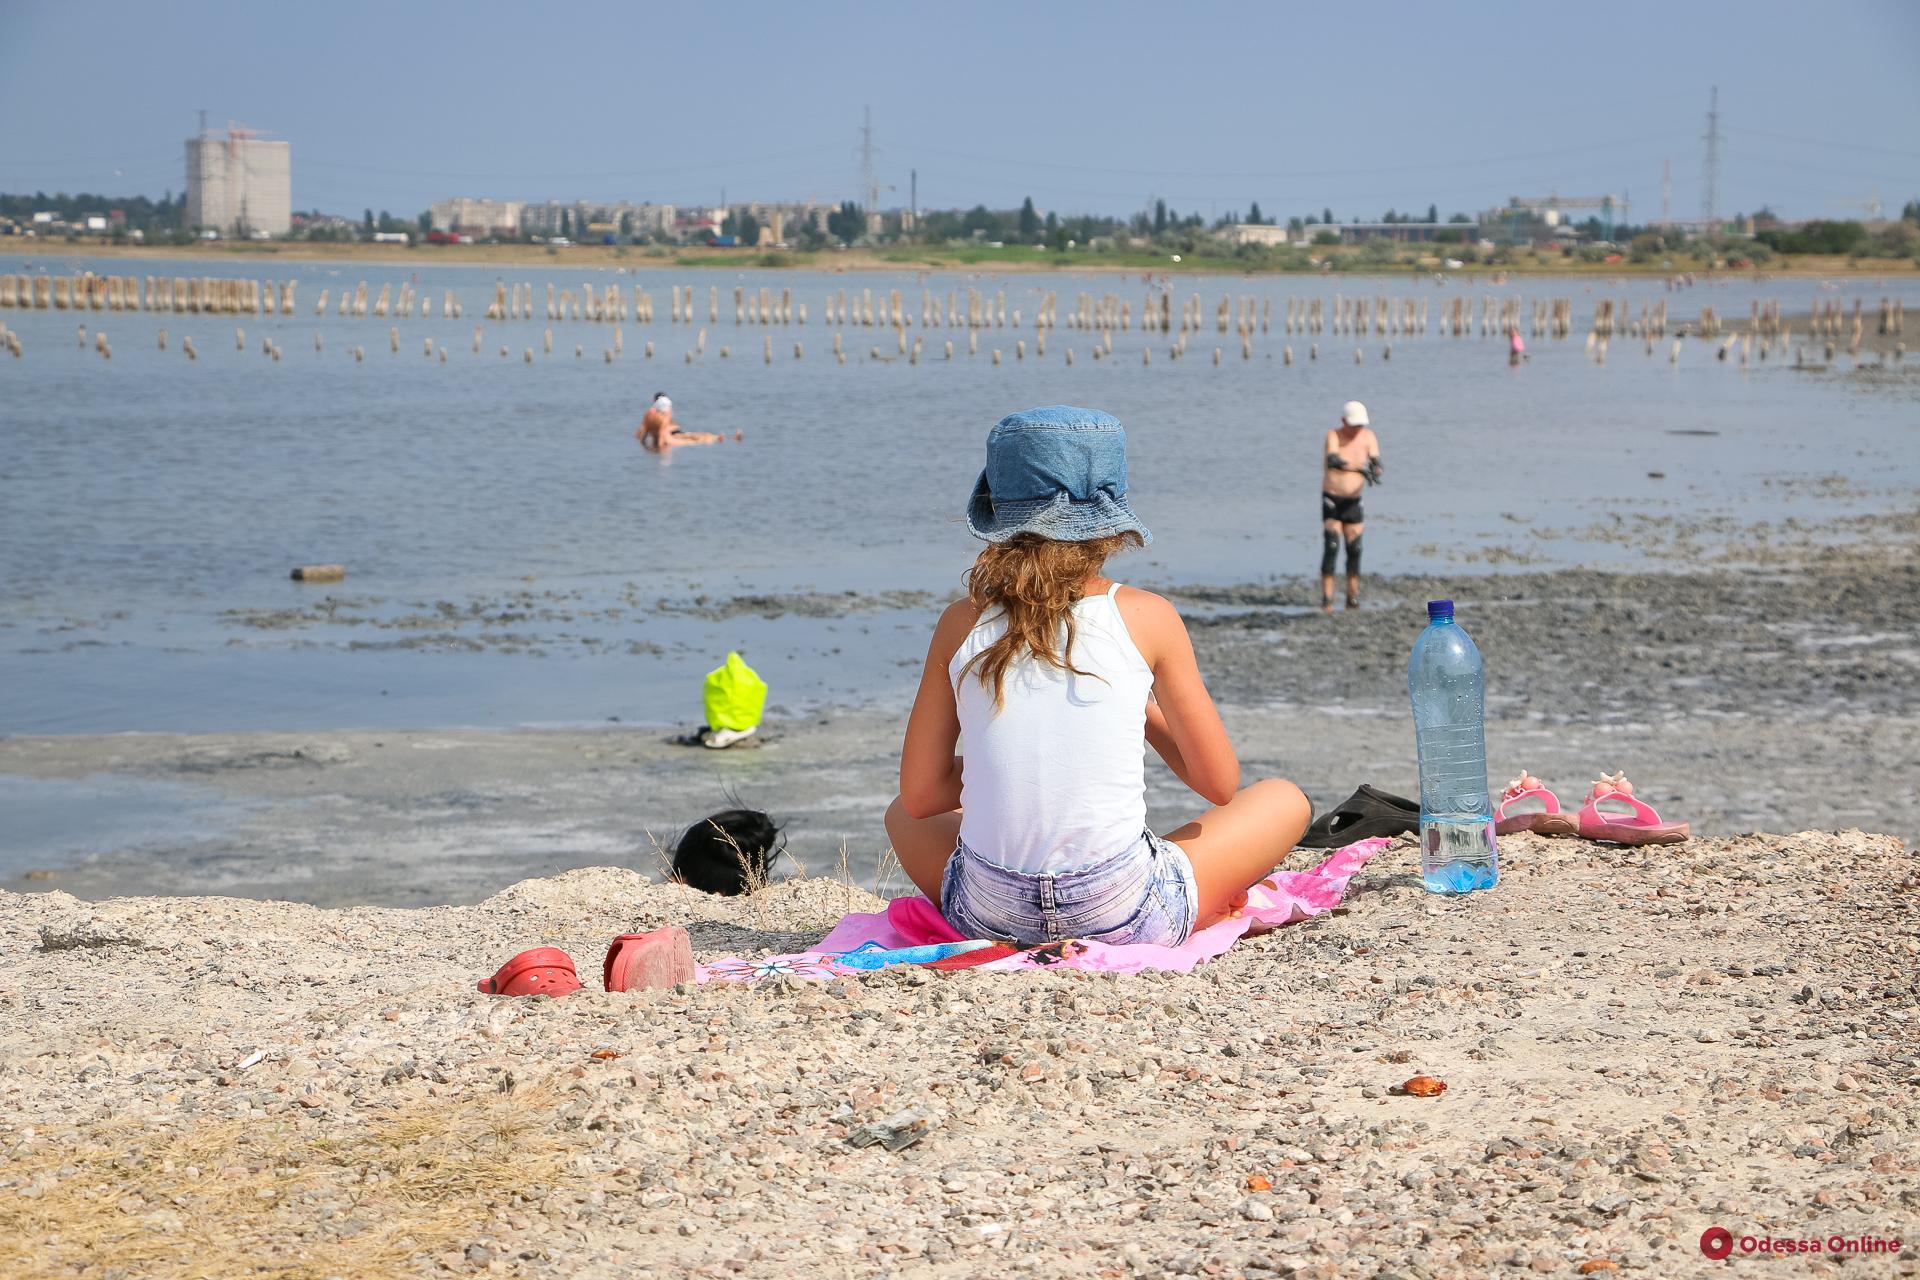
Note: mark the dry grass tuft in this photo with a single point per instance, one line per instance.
(252, 1198)
(753, 877)
(662, 860)
(846, 875)
(883, 874)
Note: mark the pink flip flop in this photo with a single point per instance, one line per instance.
(1627, 818)
(543, 971)
(1527, 805)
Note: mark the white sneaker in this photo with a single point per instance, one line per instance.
(718, 738)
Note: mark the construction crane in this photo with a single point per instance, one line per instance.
(1608, 205)
(238, 136)
(1870, 206)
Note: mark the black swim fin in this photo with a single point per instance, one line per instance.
(1367, 813)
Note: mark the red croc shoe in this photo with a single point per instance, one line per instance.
(643, 961)
(543, 971)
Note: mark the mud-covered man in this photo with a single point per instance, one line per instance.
(1352, 463)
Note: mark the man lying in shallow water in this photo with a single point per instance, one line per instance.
(658, 431)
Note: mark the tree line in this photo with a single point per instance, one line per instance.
(142, 213)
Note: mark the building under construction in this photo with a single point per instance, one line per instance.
(239, 184)
(1528, 218)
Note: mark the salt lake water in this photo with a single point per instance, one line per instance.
(151, 506)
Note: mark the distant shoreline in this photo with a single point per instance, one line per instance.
(961, 259)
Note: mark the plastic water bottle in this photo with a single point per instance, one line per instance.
(1448, 686)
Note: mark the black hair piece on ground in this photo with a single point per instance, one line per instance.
(730, 852)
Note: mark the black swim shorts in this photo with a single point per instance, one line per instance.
(1346, 510)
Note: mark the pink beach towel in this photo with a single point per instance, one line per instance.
(1283, 898)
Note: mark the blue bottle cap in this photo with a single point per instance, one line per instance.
(1439, 609)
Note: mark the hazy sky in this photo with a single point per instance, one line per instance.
(1085, 107)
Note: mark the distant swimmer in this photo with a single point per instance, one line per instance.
(659, 432)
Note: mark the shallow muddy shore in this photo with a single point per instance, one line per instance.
(1783, 692)
(1637, 1046)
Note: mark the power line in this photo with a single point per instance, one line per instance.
(1287, 174)
(1825, 145)
(505, 177)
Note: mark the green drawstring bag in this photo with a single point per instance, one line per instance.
(734, 695)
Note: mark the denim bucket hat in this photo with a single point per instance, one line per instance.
(1058, 472)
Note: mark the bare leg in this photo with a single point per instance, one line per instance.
(1351, 533)
(1329, 545)
(923, 845)
(1234, 845)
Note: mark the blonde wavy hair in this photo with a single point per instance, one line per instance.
(1034, 582)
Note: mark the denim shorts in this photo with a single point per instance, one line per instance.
(1144, 893)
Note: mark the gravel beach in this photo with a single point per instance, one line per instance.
(1637, 1047)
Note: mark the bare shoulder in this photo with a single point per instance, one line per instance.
(1138, 599)
(963, 609)
(1373, 441)
(1151, 620)
(956, 620)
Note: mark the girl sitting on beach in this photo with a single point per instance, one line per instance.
(1056, 674)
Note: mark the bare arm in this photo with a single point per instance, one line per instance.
(1160, 738)
(1202, 755)
(929, 770)
(1334, 461)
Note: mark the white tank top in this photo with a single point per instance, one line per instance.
(1055, 779)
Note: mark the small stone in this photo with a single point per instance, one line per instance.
(1257, 1211)
(479, 1255)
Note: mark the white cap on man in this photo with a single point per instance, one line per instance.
(1353, 413)
(663, 404)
